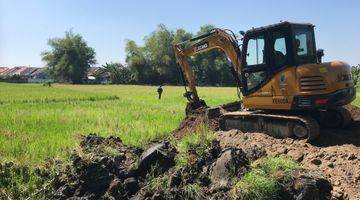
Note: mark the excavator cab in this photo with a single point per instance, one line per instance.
(269, 50)
(281, 70)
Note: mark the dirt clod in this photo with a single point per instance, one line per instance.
(310, 185)
(232, 162)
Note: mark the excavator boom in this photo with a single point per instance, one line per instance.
(216, 39)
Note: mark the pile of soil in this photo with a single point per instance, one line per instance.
(336, 152)
(200, 117)
(190, 123)
(340, 163)
(105, 168)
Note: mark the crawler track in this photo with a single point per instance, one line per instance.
(274, 124)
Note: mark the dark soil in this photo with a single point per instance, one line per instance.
(104, 168)
(199, 117)
(190, 123)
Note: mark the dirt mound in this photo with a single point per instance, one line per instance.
(190, 123)
(339, 163)
(200, 117)
(336, 152)
(105, 168)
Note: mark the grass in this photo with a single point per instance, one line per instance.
(38, 122)
(265, 179)
(256, 185)
(278, 167)
(198, 143)
(22, 182)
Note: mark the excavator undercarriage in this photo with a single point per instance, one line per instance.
(280, 124)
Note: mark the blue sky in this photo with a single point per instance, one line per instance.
(25, 26)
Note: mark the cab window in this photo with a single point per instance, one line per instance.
(280, 50)
(255, 51)
(254, 79)
(256, 68)
(304, 45)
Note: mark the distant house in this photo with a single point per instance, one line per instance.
(3, 71)
(39, 75)
(97, 75)
(18, 70)
(22, 74)
(26, 73)
(14, 74)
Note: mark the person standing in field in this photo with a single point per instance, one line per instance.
(160, 91)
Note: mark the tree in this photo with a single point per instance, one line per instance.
(355, 71)
(69, 58)
(138, 64)
(155, 62)
(118, 73)
(212, 67)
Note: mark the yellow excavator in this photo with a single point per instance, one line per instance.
(287, 91)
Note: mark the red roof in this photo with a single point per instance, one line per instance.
(3, 70)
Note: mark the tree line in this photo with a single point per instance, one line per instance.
(152, 63)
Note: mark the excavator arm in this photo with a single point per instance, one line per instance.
(215, 39)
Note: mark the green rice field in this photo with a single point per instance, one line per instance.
(39, 122)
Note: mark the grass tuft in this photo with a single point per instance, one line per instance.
(266, 178)
(193, 145)
(256, 185)
(192, 191)
(279, 167)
